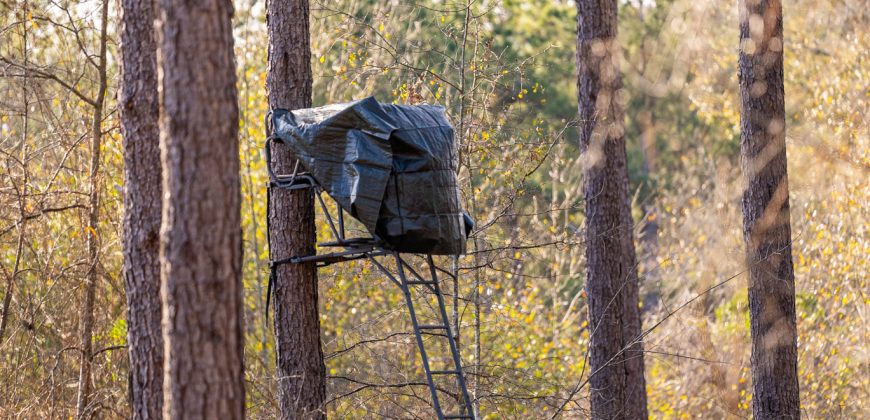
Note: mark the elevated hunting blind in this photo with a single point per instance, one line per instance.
(393, 168)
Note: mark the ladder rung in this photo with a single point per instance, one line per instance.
(421, 282)
(444, 372)
(458, 416)
(432, 327)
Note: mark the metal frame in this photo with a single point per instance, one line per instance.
(370, 248)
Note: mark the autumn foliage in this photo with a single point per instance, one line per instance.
(505, 73)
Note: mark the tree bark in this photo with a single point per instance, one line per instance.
(618, 388)
(142, 194)
(86, 321)
(201, 237)
(301, 371)
(766, 215)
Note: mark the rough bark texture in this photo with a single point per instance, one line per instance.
(617, 385)
(139, 108)
(301, 372)
(766, 217)
(86, 321)
(201, 237)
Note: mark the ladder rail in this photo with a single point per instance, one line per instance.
(433, 286)
(430, 284)
(410, 302)
(454, 350)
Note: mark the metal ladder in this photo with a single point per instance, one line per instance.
(432, 285)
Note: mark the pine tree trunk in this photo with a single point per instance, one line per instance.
(139, 108)
(201, 237)
(301, 372)
(617, 383)
(766, 215)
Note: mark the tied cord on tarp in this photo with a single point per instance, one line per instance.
(272, 266)
(273, 183)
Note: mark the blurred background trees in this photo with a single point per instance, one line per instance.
(505, 72)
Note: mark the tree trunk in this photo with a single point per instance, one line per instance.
(766, 217)
(201, 236)
(142, 194)
(617, 383)
(301, 372)
(86, 321)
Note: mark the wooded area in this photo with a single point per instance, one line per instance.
(669, 204)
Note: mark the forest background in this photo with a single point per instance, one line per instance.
(504, 70)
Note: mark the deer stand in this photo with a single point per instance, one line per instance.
(397, 269)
